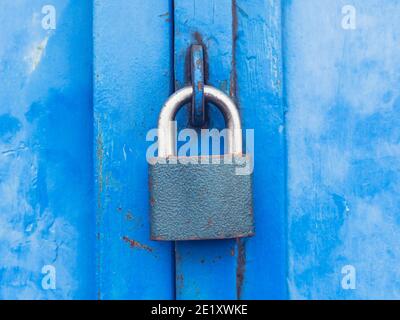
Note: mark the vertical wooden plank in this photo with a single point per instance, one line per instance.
(343, 144)
(260, 97)
(46, 213)
(132, 79)
(205, 269)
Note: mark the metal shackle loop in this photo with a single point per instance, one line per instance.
(166, 132)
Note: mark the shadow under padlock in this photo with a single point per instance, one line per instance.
(200, 197)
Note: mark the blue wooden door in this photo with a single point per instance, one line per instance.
(138, 63)
(316, 84)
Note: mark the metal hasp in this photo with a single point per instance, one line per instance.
(198, 108)
(202, 197)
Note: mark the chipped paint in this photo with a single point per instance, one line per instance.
(124, 152)
(36, 53)
(129, 216)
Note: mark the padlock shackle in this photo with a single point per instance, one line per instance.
(166, 127)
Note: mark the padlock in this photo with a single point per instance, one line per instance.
(200, 200)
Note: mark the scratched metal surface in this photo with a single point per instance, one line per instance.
(342, 89)
(132, 79)
(243, 58)
(46, 213)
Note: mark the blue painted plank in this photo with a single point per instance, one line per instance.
(260, 97)
(343, 148)
(46, 212)
(132, 78)
(205, 269)
(244, 59)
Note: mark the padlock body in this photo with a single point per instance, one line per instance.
(200, 198)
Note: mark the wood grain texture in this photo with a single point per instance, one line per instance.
(260, 98)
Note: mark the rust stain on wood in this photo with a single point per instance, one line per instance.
(136, 244)
(129, 216)
(241, 267)
(180, 281)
